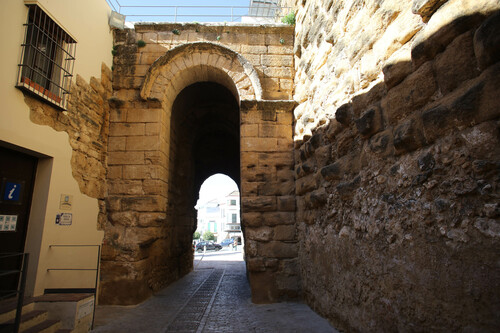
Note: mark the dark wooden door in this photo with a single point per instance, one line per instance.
(17, 172)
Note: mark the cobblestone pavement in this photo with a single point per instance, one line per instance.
(215, 297)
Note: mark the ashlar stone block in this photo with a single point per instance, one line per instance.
(140, 172)
(285, 233)
(142, 143)
(487, 41)
(126, 129)
(414, 92)
(456, 64)
(259, 144)
(122, 158)
(262, 234)
(258, 204)
(278, 249)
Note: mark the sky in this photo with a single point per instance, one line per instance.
(216, 186)
(191, 12)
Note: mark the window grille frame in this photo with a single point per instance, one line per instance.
(47, 60)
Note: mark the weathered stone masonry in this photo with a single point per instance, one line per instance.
(87, 122)
(397, 163)
(268, 201)
(373, 194)
(194, 89)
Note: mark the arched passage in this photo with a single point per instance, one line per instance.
(181, 127)
(185, 129)
(204, 130)
(200, 87)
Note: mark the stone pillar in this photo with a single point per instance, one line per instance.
(136, 254)
(268, 201)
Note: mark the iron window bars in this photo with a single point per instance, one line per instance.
(47, 59)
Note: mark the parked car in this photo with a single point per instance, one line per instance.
(227, 242)
(209, 246)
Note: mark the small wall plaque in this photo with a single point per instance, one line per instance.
(64, 219)
(66, 202)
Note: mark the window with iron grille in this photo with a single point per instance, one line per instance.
(47, 59)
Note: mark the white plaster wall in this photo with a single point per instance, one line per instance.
(87, 22)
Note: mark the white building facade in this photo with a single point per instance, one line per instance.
(221, 217)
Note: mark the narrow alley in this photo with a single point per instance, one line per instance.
(215, 297)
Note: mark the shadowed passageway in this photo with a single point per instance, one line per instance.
(215, 297)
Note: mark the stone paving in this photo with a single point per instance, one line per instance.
(215, 297)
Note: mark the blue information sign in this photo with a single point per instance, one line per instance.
(12, 191)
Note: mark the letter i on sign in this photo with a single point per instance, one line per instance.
(12, 192)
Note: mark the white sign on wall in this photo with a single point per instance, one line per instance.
(64, 219)
(66, 202)
(8, 223)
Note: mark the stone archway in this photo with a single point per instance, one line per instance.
(199, 110)
(200, 62)
(189, 111)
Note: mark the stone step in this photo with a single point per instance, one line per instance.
(37, 313)
(74, 311)
(28, 320)
(75, 297)
(47, 326)
(8, 308)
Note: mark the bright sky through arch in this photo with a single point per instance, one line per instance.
(215, 187)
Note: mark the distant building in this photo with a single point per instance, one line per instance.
(261, 11)
(209, 217)
(221, 217)
(231, 215)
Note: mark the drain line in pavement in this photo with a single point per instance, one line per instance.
(195, 311)
(209, 307)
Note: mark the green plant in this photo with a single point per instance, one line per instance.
(176, 32)
(196, 235)
(114, 51)
(218, 38)
(208, 235)
(282, 41)
(289, 19)
(141, 43)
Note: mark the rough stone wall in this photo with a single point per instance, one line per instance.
(397, 162)
(268, 201)
(87, 123)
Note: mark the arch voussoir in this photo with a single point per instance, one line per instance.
(201, 61)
